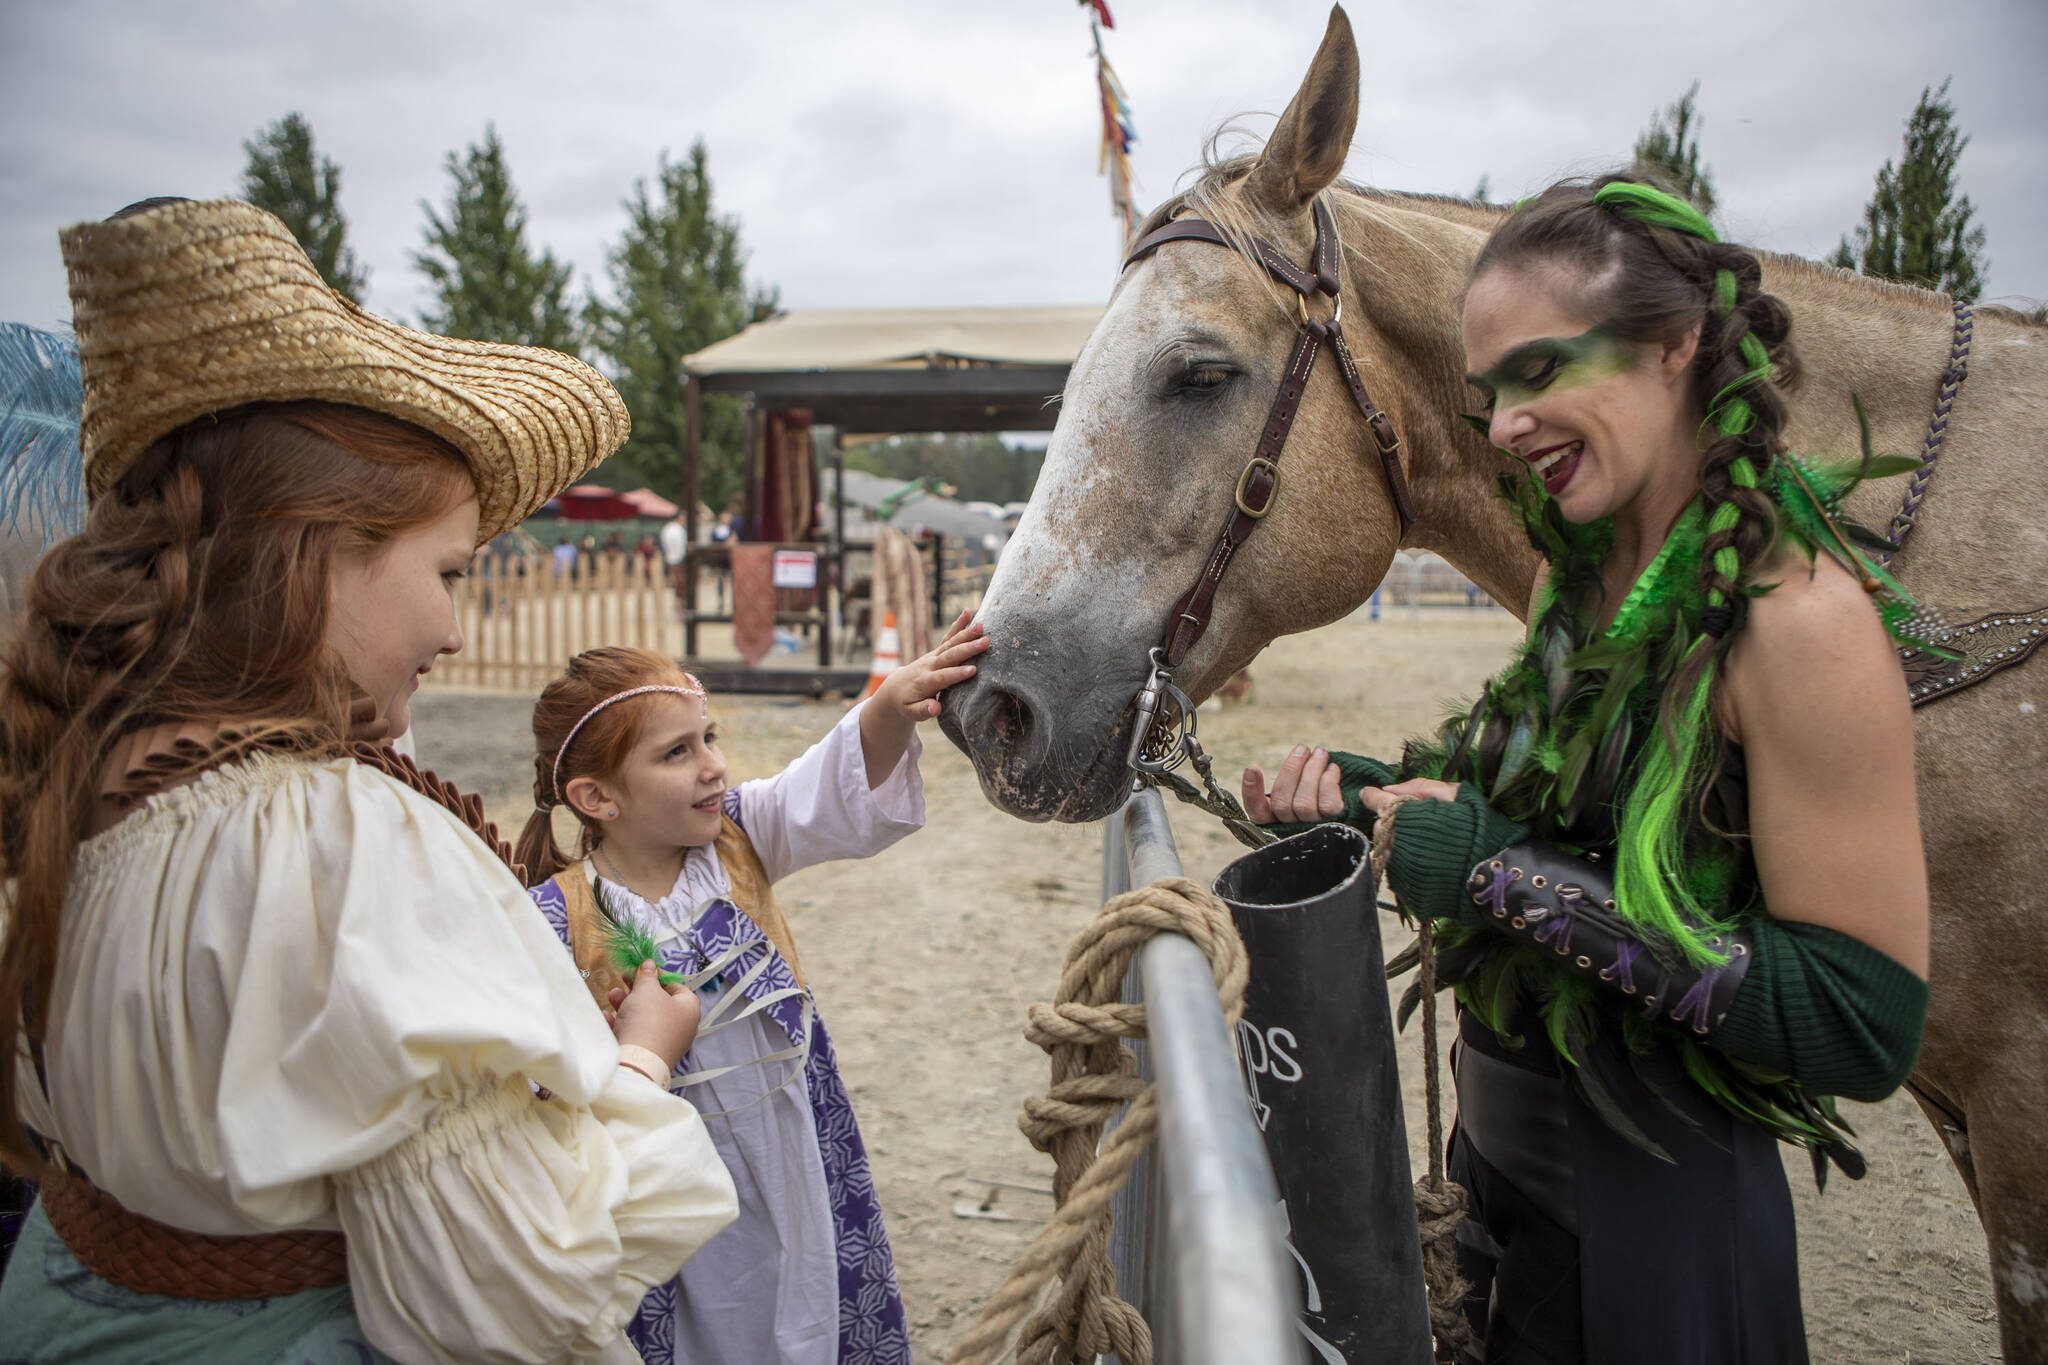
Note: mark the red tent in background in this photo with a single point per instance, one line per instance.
(594, 502)
(648, 503)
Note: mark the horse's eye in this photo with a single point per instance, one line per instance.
(1205, 378)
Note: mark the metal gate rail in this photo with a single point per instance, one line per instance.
(1199, 1244)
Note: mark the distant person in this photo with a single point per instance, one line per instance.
(565, 556)
(647, 551)
(675, 549)
(677, 855)
(724, 531)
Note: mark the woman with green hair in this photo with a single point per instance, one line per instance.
(1673, 851)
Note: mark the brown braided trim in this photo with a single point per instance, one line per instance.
(148, 1257)
(466, 807)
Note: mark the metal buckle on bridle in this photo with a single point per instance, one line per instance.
(1244, 481)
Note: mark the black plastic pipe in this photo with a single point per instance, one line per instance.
(1317, 1049)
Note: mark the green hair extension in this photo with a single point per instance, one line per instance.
(1648, 204)
(1657, 879)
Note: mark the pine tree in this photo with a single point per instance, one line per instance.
(1664, 153)
(1916, 228)
(678, 284)
(487, 283)
(285, 177)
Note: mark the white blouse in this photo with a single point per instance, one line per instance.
(297, 994)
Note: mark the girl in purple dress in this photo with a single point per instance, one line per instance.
(674, 861)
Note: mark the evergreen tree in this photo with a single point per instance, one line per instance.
(1916, 228)
(487, 283)
(678, 284)
(979, 468)
(1669, 152)
(285, 177)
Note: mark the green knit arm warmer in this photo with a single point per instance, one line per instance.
(1436, 844)
(1832, 1012)
(1355, 772)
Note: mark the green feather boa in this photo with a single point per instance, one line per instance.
(1570, 741)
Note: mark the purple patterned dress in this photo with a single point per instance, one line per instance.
(804, 1276)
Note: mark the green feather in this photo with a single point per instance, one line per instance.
(626, 943)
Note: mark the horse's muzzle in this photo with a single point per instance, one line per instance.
(1038, 759)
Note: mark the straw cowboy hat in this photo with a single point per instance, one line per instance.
(197, 307)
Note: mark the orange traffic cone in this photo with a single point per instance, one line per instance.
(888, 655)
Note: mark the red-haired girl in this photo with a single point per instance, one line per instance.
(674, 856)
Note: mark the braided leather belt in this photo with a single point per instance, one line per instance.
(148, 1257)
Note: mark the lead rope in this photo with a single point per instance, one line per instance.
(1439, 1201)
(1093, 1075)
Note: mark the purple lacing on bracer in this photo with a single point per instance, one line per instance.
(1495, 893)
(1559, 926)
(1622, 971)
(1692, 1008)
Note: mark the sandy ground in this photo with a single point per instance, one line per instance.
(925, 958)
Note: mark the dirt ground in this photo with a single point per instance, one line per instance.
(925, 958)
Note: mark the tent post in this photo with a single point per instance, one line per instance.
(838, 524)
(693, 439)
(755, 463)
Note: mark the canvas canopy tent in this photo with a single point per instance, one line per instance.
(885, 370)
(871, 372)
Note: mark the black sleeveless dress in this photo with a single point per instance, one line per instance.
(1582, 1246)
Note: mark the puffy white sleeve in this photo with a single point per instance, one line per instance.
(397, 994)
(820, 808)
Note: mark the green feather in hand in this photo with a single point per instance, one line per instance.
(627, 943)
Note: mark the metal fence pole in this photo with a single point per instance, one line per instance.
(1216, 1281)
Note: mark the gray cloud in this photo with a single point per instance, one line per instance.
(891, 153)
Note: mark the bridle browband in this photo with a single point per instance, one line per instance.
(1259, 480)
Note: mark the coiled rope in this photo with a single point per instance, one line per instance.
(1093, 1075)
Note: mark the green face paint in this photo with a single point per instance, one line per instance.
(1551, 363)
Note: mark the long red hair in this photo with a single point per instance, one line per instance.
(197, 590)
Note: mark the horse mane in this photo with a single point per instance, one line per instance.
(1206, 195)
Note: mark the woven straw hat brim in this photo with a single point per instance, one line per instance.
(201, 307)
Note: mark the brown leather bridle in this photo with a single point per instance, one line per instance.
(1259, 480)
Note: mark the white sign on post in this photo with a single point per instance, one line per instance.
(795, 569)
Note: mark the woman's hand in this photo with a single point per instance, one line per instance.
(1307, 790)
(1379, 800)
(1304, 791)
(912, 691)
(662, 1019)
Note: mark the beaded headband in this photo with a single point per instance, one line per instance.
(695, 689)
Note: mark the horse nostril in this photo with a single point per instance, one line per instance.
(1009, 718)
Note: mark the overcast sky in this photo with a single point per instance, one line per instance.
(888, 153)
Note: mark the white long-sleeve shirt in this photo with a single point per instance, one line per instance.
(297, 994)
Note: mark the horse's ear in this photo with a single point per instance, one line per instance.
(1308, 146)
